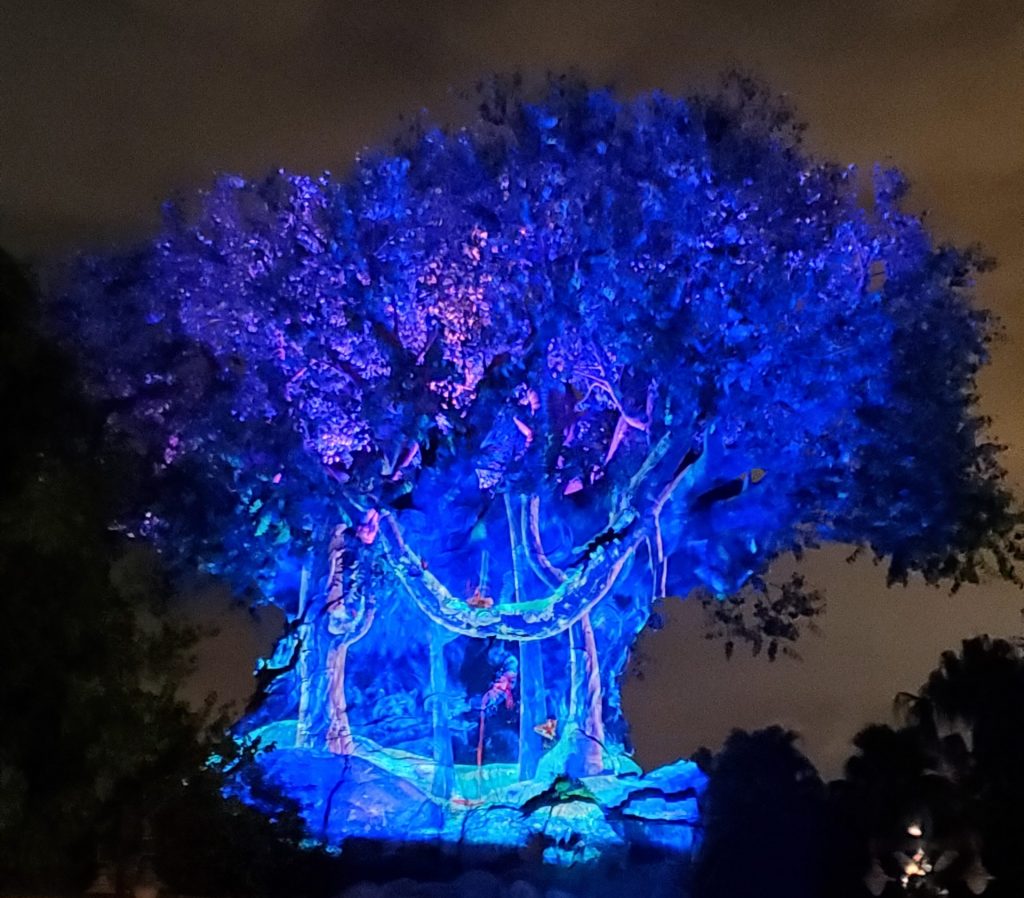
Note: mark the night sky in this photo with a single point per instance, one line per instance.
(110, 106)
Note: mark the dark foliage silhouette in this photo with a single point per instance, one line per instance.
(764, 820)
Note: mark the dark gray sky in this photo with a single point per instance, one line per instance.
(107, 107)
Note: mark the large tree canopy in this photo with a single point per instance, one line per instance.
(656, 324)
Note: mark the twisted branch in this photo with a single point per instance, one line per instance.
(585, 584)
(570, 594)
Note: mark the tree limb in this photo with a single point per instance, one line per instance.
(586, 583)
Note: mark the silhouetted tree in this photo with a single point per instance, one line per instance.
(764, 821)
(974, 701)
(945, 786)
(90, 720)
(95, 745)
(904, 817)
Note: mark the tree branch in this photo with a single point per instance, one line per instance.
(545, 570)
(589, 581)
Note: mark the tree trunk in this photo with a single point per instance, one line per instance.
(532, 700)
(444, 770)
(339, 731)
(350, 612)
(307, 659)
(575, 683)
(593, 723)
(533, 708)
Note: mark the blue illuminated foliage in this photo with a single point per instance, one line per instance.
(469, 412)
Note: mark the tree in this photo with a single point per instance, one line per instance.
(764, 820)
(905, 817)
(96, 747)
(972, 705)
(630, 349)
(208, 839)
(945, 784)
(92, 728)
